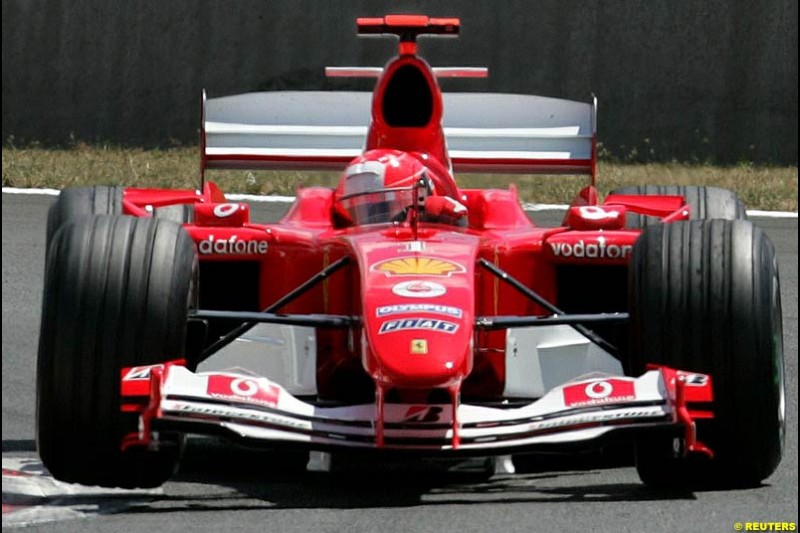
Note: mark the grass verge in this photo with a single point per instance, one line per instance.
(759, 187)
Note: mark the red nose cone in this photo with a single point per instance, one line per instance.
(418, 310)
(414, 343)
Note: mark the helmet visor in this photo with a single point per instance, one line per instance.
(378, 207)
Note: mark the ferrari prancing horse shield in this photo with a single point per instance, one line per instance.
(419, 346)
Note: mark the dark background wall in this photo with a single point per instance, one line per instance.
(711, 80)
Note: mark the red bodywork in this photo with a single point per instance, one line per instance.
(403, 345)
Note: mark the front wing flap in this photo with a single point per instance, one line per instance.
(256, 410)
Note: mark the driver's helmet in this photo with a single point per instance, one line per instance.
(378, 187)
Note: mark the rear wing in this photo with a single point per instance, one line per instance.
(313, 130)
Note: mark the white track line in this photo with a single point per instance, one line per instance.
(288, 199)
(772, 214)
(259, 198)
(15, 190)
(37, 498)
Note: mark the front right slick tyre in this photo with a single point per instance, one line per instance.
(705, 297)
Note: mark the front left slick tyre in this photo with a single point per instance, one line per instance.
(117, 294)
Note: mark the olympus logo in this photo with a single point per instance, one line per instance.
(231, 246)
(397, 309)
(583, 250)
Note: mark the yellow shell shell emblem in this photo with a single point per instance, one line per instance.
(418, 266)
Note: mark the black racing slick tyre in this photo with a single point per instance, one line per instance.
(117, 294)
(705, 297)
(705, 202)
(79, 202)
(180, 213)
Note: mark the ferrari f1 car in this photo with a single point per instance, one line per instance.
(425, 319)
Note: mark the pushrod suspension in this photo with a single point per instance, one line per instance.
(533, 295)
(292, 295)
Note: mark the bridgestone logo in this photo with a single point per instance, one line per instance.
(232, 246)
(582, 250)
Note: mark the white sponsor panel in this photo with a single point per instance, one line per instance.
(419, 289)
(544, 420)
(398, 309)
(232, 246)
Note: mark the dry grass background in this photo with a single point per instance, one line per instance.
(760, 187)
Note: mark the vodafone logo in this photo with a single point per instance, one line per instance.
(246, 390)
(225, 210)
(593, 212)
(232, 246)
(583, 250)
(244, 387)
(599, 392)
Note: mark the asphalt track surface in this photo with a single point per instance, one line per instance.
(224, 489)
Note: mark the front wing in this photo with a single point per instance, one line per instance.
(255, 410)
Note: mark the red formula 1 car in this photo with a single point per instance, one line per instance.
(426, 319)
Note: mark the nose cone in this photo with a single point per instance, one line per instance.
(420, 344)
(418, 313)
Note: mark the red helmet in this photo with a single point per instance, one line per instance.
(379, 187)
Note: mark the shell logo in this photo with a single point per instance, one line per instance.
(418, 266)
